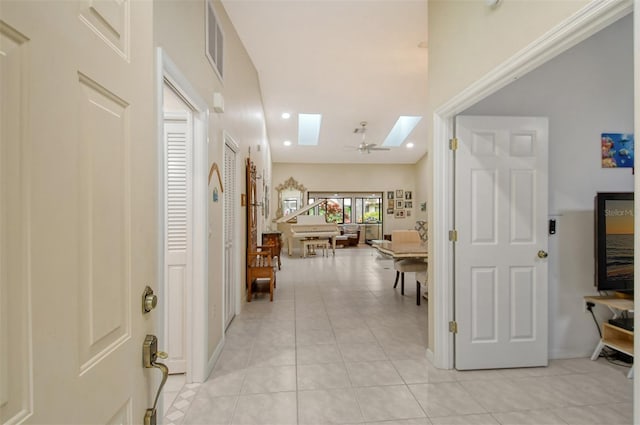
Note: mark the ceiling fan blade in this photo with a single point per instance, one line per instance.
(379, 149)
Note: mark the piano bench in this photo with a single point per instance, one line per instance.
(315, 243)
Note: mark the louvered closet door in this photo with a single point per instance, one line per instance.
(230, 277)
(178, 144)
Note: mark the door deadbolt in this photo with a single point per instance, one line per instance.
(149, 300)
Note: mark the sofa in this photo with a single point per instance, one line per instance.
(349, 235)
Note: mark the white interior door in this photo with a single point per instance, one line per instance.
(178, 144)
(230, 211)
(501, 215)
(78, 208)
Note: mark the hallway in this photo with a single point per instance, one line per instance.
(340, 345)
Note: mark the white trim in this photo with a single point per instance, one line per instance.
(636, 114)
(197, 302)
(587, 21)
(211, 363)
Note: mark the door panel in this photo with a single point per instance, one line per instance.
(178, 138)
(230, 275)
(85, 239)
(501, 211)
(16, 366)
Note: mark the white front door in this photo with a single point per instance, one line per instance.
(178, 145)
(78, 210)
(501, 219)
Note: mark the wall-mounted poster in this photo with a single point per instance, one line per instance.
(617, 150)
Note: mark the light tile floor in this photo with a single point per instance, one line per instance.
(340, 346)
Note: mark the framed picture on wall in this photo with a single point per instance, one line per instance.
(407, 194)
(408, 204)
(390, 194)
(390, 203)
(389, 210)
(400, 204)
(399, 193)
(399, 213)
(408, 213)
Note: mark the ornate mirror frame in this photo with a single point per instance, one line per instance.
(289, 184)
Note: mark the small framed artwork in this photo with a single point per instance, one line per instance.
(399, 213)
(408, 204)
(617, 150)
(399, 204)
(407, 194)
(390, 194)
(389, 210)
(408, 213)
(423, 206)
(390, 203)
(399, 193)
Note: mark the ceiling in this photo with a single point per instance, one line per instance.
(350, 61)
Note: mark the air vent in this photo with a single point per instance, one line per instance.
(215, 41)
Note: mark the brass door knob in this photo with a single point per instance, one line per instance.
(542, 254)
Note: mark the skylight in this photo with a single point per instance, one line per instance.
(309, 129)
(401, 130)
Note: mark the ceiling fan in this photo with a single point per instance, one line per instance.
(365, 147)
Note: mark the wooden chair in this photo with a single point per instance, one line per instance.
(260, 267)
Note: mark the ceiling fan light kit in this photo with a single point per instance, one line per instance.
(365, 147)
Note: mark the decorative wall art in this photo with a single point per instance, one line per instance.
(389, 210)
(423, 206)
(390, 194)
(399, 193)
(399, 213)
(399, 204)
(407, 194)
(390, 203)
(617, 150)
(408, 204)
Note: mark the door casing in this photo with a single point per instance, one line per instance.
(196, 303)
(586, 22)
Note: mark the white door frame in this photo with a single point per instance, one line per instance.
(587, 21)
(196, 295)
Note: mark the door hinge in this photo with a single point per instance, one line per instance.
(453, 235)
(453, 144)
(453, 327)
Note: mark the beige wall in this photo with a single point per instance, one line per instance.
(352, 178)
(467, 40)
(179, 28)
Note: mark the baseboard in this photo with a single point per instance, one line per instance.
(215, 356)
(569, 354)
(429, 354)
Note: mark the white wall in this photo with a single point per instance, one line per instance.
(467, 40)
(586, 91)
(179, 28)
(352, 178)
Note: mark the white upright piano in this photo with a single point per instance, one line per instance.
(299, 225)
